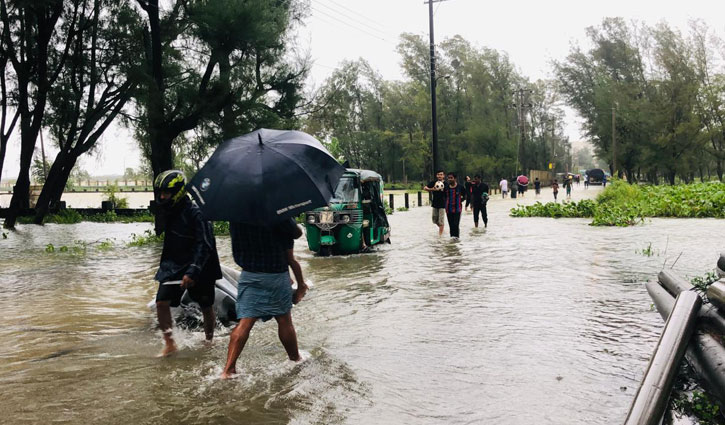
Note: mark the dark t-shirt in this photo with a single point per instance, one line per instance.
(477, 192)
(537, 185)
(262, 249)
(438, 197)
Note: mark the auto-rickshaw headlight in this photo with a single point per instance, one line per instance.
(345, 218)
(311, 218)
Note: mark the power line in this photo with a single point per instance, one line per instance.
(339, 21)
(354, 19)
(357, 13)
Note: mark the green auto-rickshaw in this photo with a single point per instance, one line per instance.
(354, 219)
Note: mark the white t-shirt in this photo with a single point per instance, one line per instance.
(504, 185)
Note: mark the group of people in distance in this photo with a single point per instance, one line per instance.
(520, 188)
(189, 261)
(448, 197)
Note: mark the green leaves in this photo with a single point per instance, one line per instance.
(622, 204)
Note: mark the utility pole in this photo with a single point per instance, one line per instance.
(45, 165)
(521, 104)
(434, 115)
(614, 142)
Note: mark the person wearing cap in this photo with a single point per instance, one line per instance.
(189, 259)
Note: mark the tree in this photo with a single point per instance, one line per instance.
(92, 89)
(36, 37)
(217, 61)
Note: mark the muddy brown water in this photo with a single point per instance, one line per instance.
(530, 321)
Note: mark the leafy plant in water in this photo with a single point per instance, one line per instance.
(401, 209)
(703, 282)
(647, 252)
(146, 238)
(622, 204)
(49, 248)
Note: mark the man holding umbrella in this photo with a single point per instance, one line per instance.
(258, 182)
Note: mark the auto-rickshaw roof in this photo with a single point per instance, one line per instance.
(366, 175)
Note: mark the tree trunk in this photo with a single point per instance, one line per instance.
(54, 184)
(21, 191)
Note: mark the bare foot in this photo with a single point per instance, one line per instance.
(168, 350)
(208, 343)
(228, 374)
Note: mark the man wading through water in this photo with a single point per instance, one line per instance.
(479, 198)
(438, 202)
(454, 197)
(189, 260)
(264, 289)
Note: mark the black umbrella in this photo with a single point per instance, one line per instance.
(265, 176)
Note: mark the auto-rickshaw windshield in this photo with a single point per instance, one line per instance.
(346, 191)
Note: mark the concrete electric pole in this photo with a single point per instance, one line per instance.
(434, 115)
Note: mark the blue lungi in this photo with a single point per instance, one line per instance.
(263, 295)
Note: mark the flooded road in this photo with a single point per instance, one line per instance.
(529, 321)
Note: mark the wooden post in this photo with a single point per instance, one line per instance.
(392, 202)
(407, 204)
(420, 199)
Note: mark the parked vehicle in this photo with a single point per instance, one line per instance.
(355, 218)
(595, 176)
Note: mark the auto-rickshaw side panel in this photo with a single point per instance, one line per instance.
(313, 237)
(348, 238)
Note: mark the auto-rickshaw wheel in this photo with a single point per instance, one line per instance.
(325, 251)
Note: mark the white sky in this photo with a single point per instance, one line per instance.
(531, 32)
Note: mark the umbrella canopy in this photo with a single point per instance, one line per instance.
(522, 179)
(264, 177)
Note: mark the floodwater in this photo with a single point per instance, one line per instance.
(531, 321)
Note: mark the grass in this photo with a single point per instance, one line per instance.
(622, 204)
(69, 216)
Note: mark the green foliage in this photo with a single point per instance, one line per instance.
(221, 228)
(663, 92)
(401, 209)
(78, 248)
(703, 282)
(647, 252)
(148, 237)
(622, 204)
(5, 235)
(70, 216)
(115, 200)
(701, 406)
(388, 210)
(65, 216)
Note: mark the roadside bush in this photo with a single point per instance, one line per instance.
(622, 204)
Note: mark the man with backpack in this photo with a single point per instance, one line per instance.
(479, 198)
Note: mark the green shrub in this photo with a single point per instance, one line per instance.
(146, 238)
(622, 204)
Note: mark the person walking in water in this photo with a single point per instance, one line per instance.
(467, 187)
(438, 199)
(454, 204)
(567, 186)
(504, 185)
(189, 260)
(555, 189)
(264, 290)
(479, 199)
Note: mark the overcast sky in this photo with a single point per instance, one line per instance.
(532, 32)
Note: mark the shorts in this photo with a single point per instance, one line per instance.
(202, 292)
(439, 216)
(263, 295)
